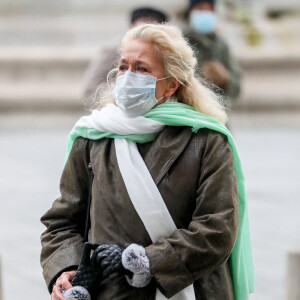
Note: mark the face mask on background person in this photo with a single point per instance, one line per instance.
(203, 21)
(135, 93)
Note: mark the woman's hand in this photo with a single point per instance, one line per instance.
(216, 72)
(62, 281)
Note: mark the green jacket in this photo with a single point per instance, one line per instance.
(213, 47)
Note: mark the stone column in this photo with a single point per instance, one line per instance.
(1, 290)
(293, 275)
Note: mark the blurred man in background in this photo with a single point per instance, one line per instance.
(215, 62)
(107, 58)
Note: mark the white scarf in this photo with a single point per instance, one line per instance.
(140, 186)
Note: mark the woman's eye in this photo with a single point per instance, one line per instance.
(141, 69)
(123, 68)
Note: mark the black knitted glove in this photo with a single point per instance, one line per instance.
(109, 257)
(88, 274)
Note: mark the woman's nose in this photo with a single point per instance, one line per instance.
(131, 68)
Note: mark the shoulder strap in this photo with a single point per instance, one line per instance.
(88, 221)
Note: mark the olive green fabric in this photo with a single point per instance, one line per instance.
(203, 205)
(178, 114)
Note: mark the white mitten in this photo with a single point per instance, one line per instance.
(135, 260)
(77, 293)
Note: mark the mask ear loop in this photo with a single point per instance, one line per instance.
(159, 80)
(162, 78)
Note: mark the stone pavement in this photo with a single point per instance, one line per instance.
(31, 160)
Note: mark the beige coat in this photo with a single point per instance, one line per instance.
(195, 176)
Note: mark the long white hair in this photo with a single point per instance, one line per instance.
(179, 62)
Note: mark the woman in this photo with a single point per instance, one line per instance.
(168, 186)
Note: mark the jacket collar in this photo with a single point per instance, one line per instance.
(160, 154)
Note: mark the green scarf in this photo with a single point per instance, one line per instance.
(178, 114)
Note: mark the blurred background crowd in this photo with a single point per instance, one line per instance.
(53, 56)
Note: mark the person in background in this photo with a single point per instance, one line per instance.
(215, 62)
(107, 58)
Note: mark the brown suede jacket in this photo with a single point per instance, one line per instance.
(195, 175)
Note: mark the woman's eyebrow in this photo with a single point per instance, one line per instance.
(122, 60)
(138, 61)
(142, 62)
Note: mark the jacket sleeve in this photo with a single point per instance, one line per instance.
(62, 241)
(188, 254)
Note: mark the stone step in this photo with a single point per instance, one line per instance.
(101, 27)
(43, 63)
(51, 78)
(68, 98)
(90, 7)
(65, 30)
(53, 96)
(37, 96)
(28, 22)
(98, 6)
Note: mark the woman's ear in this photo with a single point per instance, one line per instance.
(173, 85)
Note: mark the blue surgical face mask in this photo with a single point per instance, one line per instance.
(135, 93)
(203, 21)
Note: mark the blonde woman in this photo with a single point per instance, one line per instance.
(168, 215)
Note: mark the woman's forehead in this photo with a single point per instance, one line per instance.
(139, 50)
